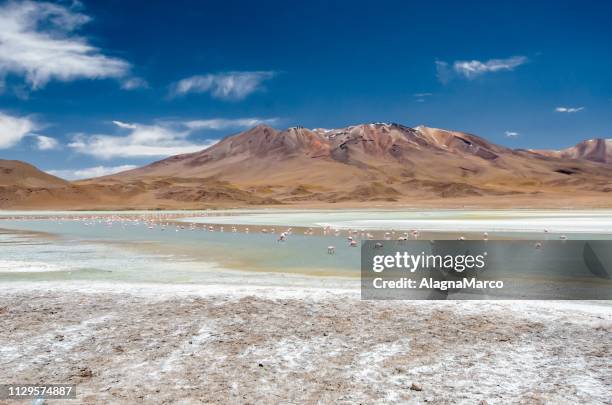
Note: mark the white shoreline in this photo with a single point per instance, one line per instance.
(435, 220)
(163, 291)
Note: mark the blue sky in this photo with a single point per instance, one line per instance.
(95, 86)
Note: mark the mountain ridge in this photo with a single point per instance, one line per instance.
(360, 164)
(595, 150)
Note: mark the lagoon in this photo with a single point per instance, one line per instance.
(242, 248)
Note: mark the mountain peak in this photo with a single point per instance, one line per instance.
(596, 150)
(262, 127)
(18, 173)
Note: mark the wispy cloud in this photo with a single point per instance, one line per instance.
(223, 123)
(230, 86)
(13, 129)
(134, 83)
(89, 172)
(473, 68)
(139, 141)
(568, 109)
(443, 72)
(38, 41)
(470, 69)
(46, 143)
(160, 139)
(421, 97)
(511, 134)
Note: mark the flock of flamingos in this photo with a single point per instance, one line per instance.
(173, 221)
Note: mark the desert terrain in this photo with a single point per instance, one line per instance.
(163, 344)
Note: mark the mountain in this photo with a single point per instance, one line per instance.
(20, 174)
(379, 163)
(595, 150)
(372, 162)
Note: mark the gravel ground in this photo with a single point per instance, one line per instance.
(122, 345)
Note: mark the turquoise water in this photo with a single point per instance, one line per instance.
(69, 249)
(154, 247)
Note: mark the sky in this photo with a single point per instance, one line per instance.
(89, 88)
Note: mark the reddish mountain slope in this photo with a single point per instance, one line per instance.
(389, 163)
(342, 164)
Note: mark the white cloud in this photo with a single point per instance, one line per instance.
(568, 109)
(471, 69)
(474, 68)
(46, 143)
(511, 134)
(134, 83)
(163, 138)
(224, 86)
(222, 123)
(13, 129)
(141, 141)
(90, 172)
(38, 41)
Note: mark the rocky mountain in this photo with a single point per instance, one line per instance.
(595, 150)
(379, 163)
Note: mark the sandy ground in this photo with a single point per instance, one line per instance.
(207, 344)
(40, 199)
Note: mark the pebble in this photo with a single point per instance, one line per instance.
(85, 372)
(416, 387)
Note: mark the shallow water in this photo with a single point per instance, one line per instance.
(154, 247)
(54, 249)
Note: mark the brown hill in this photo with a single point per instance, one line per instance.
(20, 174)
(358, 165)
